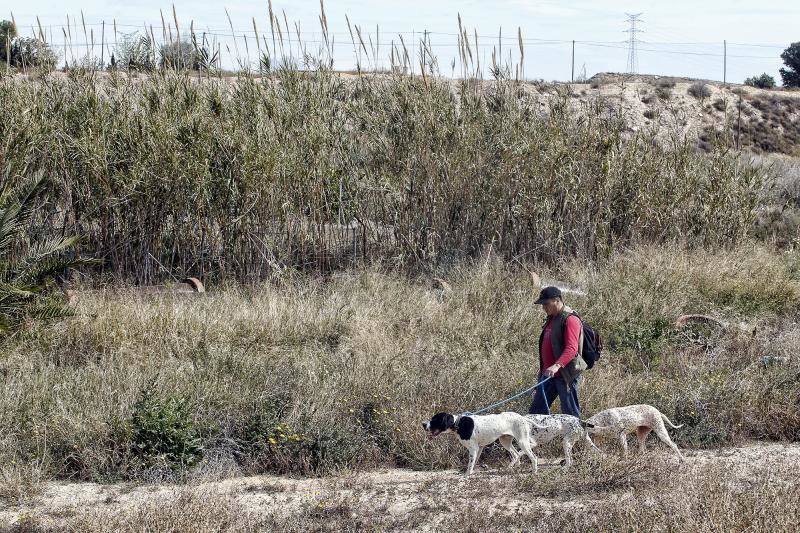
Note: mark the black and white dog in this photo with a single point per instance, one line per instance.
(570, 428)
(476, 432)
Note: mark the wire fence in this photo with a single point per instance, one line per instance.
(94, 44)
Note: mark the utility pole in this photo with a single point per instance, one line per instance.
(633, 61)
(573, 61)
(725, 62)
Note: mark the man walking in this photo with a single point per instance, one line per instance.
(560, 345)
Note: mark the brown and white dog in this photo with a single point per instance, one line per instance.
(643, 419)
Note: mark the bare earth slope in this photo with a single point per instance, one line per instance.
(760, 120)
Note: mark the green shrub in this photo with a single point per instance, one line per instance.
(180, 55)
(8, 32)
(699, 90)
(665, 83)
(765, 81)
(664, 93)
(163, 433)
(309, 449)
(135, 53)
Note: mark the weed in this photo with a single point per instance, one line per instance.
(699, 90)
(162, 432)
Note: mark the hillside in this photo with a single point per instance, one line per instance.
(767, 121)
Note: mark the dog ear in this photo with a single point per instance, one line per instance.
(451, 421)
(466, 425)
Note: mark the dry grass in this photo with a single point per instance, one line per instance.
(262, 371)
(20, 483)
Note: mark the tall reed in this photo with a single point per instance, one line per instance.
(309, 169)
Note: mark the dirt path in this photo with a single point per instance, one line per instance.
(390, 492)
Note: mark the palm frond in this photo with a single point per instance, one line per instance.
(27, 270)
(48, 249)
(9, 291)
(49, 310)
(16, 209)
(37, 273)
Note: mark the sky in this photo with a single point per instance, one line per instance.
(677, 38)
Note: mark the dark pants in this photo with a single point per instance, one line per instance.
(552, 388)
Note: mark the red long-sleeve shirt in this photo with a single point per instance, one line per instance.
(571, 338)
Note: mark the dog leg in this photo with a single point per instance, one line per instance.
(567, 455)
(623, 440)
(507, 442)
(641, 433)
(661, 433)
(526, 447)
(474, 453)
(477, 457)
(591, 443)
(569, 442)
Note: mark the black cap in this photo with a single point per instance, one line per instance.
(548, 293)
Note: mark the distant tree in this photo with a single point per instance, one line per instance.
(29, 52)
(24, 52)
(765, 81)
(791, 58)
(134, 52)
(8, 32)
(185, 55)
(180, 55)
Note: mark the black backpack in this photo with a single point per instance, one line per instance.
(592, 343)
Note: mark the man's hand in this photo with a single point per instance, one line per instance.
(550, 371)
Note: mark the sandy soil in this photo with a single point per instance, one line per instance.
(393, 491)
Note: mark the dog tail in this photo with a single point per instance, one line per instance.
(533, 422)
(673, 426)
(593, 428)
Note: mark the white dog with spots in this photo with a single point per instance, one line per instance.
(475, 432)
(643, 419)
(545, 428)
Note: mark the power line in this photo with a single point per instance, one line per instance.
(675, 52)
(242, 33)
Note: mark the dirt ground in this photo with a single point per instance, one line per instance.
(397, 493)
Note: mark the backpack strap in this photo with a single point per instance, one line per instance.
(566, 315)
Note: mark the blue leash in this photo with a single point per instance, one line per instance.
(526, 391)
